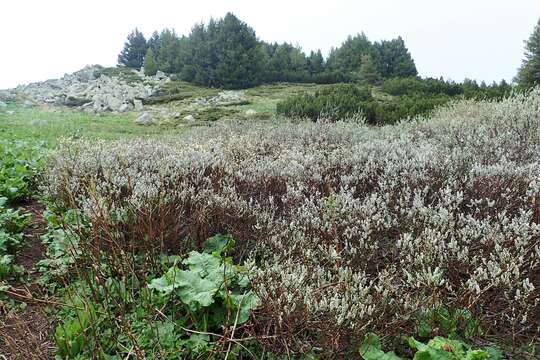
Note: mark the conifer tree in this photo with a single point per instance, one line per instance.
(132, 55)
(368, 71)
(150, 66)
(393, 59)
(315, 62)
(529, 72)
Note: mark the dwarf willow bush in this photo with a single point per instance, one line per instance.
(352, 229)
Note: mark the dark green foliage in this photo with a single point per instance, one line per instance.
(181, 314)
(438, 348)
(418, 86)
(168, 53)
(315, 63)
(332, 103)
(237, 53)
(368, 71)
(347, 57)
(394, 59)
(150, 66)
(132, 55)
(404, 107)
(287, 63)
(529, 72)
(454, 323)
(226, 53)
(391, 58)
(469, 89)
(348, 101)
(12, 224)
(19, 164)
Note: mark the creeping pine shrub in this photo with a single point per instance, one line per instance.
(349, 101)
(351, 228)
(334, 103)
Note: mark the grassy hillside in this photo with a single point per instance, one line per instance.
(49, 124)
(267, 238)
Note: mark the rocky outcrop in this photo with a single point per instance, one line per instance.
(7, 95)
(96, 89)
(145, 119)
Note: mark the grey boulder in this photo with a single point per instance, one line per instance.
(145, 119)
(138, 105)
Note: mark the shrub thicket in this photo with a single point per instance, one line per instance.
(409, 97)
(344, 101)
(349, 228)
(333, 103)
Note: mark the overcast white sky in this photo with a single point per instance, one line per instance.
(478, 39)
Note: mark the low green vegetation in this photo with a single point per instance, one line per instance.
(19, 163)
(393, 100)
(36, 125)
(12, 225)
(187, 312)
(438, 348)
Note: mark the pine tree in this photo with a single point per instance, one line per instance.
(368, 71)
(134, 50)
(150, 66)
(529, 72)
(315, 63)
(393, 59)
(168, 57)
(226, 53)
(345, 58)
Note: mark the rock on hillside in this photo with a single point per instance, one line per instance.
(95, 88)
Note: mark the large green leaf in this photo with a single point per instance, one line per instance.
(440, 348)
(219, 244)
(244, 304)
(371, 349)
(425, 352)
(195, 291)
(167, 283)
(202, 263)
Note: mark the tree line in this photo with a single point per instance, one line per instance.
(227, 53)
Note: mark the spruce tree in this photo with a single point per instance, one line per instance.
(134, 50)
(226, 53)
(150, 66)
(529, 72)
(315, 62)
(368, 71)
(345, 58)
(393, 59)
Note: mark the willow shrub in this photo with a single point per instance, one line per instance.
(350, 228)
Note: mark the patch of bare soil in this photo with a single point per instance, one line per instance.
(26, 334)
